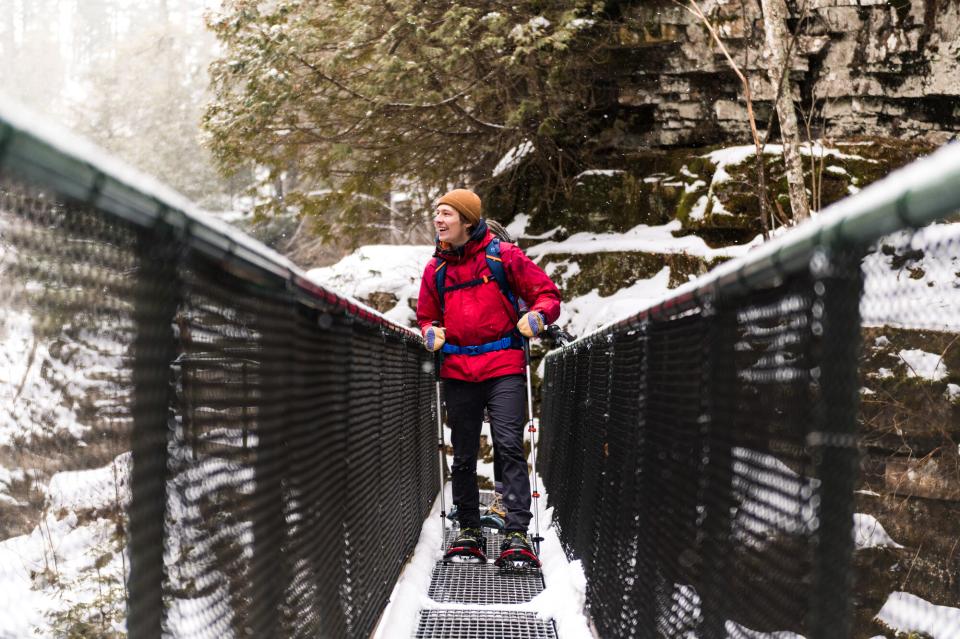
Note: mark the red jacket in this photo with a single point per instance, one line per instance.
(480, 314)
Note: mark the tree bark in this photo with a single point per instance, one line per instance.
(775, 26)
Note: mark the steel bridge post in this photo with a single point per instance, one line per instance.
(157, 295)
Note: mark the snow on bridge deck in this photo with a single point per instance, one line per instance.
(479, 594)
(433, 599)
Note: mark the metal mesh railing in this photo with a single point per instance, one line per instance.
(907, 527)
(211, 445)
(730, 462)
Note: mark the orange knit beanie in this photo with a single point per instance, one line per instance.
(466, 202)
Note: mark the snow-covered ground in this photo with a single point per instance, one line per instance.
(71, 561)
(28, 400)
(924, 292)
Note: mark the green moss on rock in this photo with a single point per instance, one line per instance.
(609, 272)
(655, 186)
(904, 414)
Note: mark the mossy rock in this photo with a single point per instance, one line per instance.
(655, 186)
(611, 202)
(381, 301)
(609, 272)
(873, 581)
(928, 529)
(901, 413)
(733, 214)
(905, 418)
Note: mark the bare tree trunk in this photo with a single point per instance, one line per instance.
(775, 25)
(695, 9)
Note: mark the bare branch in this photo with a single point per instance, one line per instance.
(695, 9)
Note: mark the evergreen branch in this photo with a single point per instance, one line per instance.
(396, 105)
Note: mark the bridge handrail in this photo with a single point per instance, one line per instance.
(53, 157)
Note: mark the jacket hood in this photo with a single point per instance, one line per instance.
(479, 237)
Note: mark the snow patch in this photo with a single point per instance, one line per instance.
(642, 238)
(379, 268)
(773, 497)
(734, 155)
(699, 210)
(952, 392)
(518, 226)
(928, 297)
(908, 613)
(92, 489)
(553, 270)
(589, 312)
(54, 568)
(730, 156)
(35, 387)
(603, 172)
(736, 631)
(582, 23)
(925, 365)
(513, 157)
(869, 533)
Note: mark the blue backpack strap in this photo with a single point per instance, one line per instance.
(440, 274)
(495, 264)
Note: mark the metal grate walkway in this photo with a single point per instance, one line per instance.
(483, 624)
(483, 585)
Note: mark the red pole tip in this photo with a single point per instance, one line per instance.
(536, 495)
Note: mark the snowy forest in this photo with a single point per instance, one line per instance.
(629, 147)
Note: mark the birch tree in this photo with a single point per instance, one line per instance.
(777, 36)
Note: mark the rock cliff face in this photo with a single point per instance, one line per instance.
(860, 68)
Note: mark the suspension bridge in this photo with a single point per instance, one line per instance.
(701, 456)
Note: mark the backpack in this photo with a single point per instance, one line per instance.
(494, 263)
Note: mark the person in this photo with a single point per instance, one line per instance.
(463, 311)
(494, 516)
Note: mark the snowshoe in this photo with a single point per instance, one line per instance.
(516, 552)
(470, 546)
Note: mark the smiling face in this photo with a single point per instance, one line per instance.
(450, 227)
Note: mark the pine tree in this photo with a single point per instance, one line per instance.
(346, 100)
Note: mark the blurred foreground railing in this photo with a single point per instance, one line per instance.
(283, 451)
(703, 455)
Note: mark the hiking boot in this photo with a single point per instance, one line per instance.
(495, 514)
(496, 507)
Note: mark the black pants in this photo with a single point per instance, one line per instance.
(505, 400)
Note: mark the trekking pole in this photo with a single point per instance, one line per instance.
(532, 429)
(440, 444)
